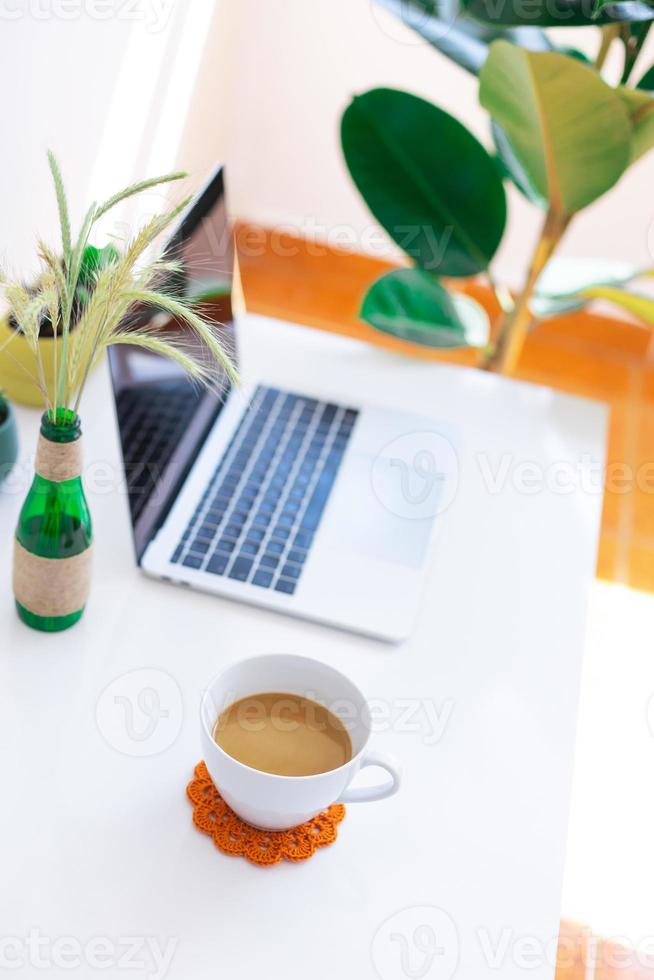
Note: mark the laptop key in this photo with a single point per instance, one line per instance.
(241, 569)
(316, 505)
(261, 520)
(217, 564)
(279, 435)
(249, 548)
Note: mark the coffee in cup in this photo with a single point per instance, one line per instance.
(284, 734)
(252, 785)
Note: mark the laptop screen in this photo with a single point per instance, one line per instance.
(163, 418)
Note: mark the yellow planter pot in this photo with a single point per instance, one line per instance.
(18, 367)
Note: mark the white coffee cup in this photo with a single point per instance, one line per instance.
(273, 802)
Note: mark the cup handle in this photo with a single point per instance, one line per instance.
(360, 794)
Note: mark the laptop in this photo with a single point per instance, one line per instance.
(274, 497)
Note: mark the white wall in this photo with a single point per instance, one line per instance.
(108, 94)
(56, 79)
(271, 89)
(262, 85)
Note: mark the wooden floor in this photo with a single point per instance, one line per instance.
(590, 355)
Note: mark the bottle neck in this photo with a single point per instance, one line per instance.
(59, 449)
(58, 461)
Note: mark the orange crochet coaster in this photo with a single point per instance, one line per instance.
(231, 835)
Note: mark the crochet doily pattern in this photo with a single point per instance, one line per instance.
(231, 835)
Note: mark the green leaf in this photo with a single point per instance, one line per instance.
(562, 13)
(632, 38)
(446, 27)
(562, 284)
(647, 81)
(93, 260)
(413, 305)
(640, 107)
(621, 11)
(574, 53)
(569, 130)
(426, 179)
(642, 307)
(512, 167)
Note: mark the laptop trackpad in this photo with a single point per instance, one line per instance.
(371, 514)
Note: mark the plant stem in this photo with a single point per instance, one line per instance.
(633, 39)
(609, 33)
(501, 293)
(55, 327)
(66, 307)
(39, 365)
(502, 356)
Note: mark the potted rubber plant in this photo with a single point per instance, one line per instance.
(88, 296)
(8, 437)
(562, 134)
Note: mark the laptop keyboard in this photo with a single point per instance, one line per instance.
(152, 419)
(257, 519)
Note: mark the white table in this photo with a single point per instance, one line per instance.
(97, 844)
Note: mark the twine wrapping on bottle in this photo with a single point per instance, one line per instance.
(58, 461)
(51, 586)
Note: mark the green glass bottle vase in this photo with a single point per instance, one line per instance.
(52, 549)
